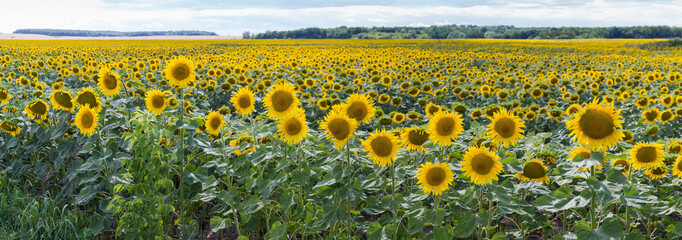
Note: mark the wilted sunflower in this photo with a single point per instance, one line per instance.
(293, 127)
(650, 116)
(359, 107)
(86, 96)
(646, 155)
(10, 128)
(62, 100)
(280, 100)
(86, 120)
(623, 164)
(414, 138)
(505, 129)
(37, 109)
(534, 170)
(4, 96)
(109, 82)
(434, 178)
(656, 172)
(677, 167)
(340, 127)
(445, 126)
(214, 122)
(156, 101)
(481, 165)
(243, 101)
(382, 147)
(597, 126)
(180, 72)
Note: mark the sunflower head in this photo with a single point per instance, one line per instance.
(37, 109)
(434, 178)
(180, 72)
(444, 127)
(243, 101)
(359, 107)
(236, 144)
(4, 96)
(677, 167)
(505, 128)
(62, 100)
(280, 100)
(623, 164)
(656, 172)
(156, 101)
(86, 120)
(646, 155)
(214, 123)
(293, 127)
(88, 97)
(481, 165)
(382, 147)
(650, 116)
(534, 170)
(414, 138)
(597, 126)
(10, 128)
(109, 82)
(339, 127)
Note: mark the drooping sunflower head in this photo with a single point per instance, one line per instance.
(505, 128)
(534, 170)
(414, 138)
(180, 72)
(10, 128)
(382, 147)
(4, 96)
(596, 126)
(243, 101)
(359, 107)
(434, 178)
(86, 120)
(444, 127)
(431, 109)
(109, 82)
(339, 127)
(156, 101)
(280, 100)
(214, 123)
(623, 164)
(677, 167)
(62, 100)
(650, 116)
(667, 116)
(646, 155)
(242, 145)
(656, 172)
(37, 109)
(293, 127)
(481, 165)
(86, 96)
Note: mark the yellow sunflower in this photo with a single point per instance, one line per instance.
(586, 154)
(623, 164)
(62, 100)
(398, 118)
(646, 155)
(180, 72)
(340, 127)
(109, 82)
(382, 147)
(481, 165)
(243, 101)
(156, 101)
(656, 172)
(666, 116)
(214, 122)
(87, 96)
(505, 128)
(10, 128)
(293, 127)
(237, 143)
(37, 109)
(597, 126)
(359, 107)
(677, 167)
(413, 139)
(435, 178)
(444, 127)
(4, 96)
(280, 100)
(86, 120)
(431, 109)
(650, 116)
(534, 170)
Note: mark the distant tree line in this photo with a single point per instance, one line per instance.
(87, 33)
(473, 31)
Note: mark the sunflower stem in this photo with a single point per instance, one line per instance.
(593, 204)
(182, 151)
(395, 209)
(350, 185)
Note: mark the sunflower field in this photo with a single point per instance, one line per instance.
(340, 139)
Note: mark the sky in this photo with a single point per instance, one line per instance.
(232, 18)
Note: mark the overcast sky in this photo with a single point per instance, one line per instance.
(235, 17)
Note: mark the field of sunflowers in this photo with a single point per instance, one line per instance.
(339, 139)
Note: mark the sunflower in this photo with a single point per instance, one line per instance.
(4, 96)
(340, 127)
(214, 122)
(435, 178)
(481, 165)
(280, 100)
(677, 167)
(667, 116)
(585, 154)
(236, 145)
(398, 118)
(359, 107)
(656, 172)
(431, 109)
(86, 120)
(534, 170)
(156, 101)
(650, 116)
(243, 101)
(382, 147)
(293, 127)
(505, 128)
(87, 96)
(414, 138)
(37, 109)
(109, 82)
(623, 164)
(597, 126)
(62, 100)
(445, 126)
(180, 72)
(646, 155)
(10, 128)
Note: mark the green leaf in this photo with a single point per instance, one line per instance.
(603, 193)
(99, 223)
(443, 232)
(610, 229)
(464, 226)
(376, 232)
(218, 223)
(277, 231)
(634, 235)
(85, 195)
(286, 200)
(252, 205)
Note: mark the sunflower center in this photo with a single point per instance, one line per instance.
(282, 100)
(435, 176)
(585, 155)
(181, 71)
(651, 115)
(666, 116)
(399, 117)
(417, 137)
(215, 123)
(622, 163)
(533, 170)
(63, 99)
(293, 126)
(382, 146)
(505, 127)
(657, 171)
(109, 82)
(86, 120)
(39, 108)
(3, 95)
(244, 101)
(646, 154)
(87, 98)
(596, 124)
(432, 109)
(158, 101)
(8, 127)
(357, 110)
(482, 164)
(445, 126)
(339, 128)
(679, 166)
